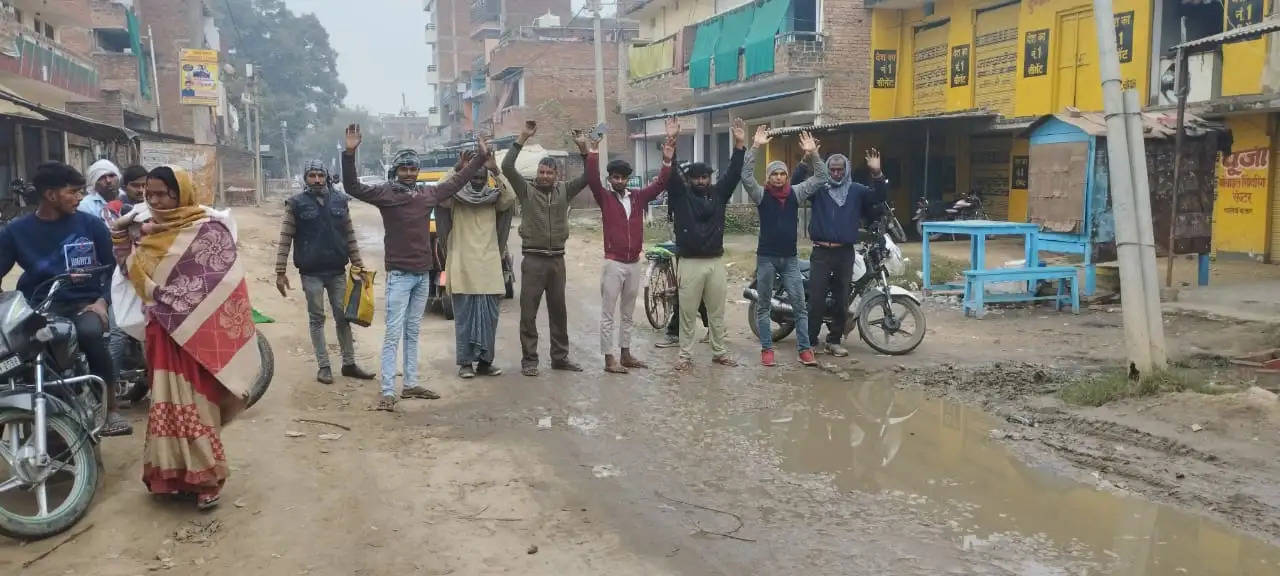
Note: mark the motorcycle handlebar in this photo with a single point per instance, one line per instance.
(54, 284)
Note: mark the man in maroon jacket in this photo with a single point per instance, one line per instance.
(622, 211)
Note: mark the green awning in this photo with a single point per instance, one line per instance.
(759, 47)
(704, 46)
(733, 33)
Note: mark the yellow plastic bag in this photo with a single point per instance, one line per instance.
(359, 298)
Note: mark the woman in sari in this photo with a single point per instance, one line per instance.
(201, 345)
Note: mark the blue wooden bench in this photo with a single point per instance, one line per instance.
(975, 287)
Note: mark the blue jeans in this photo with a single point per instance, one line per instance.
(767, 268)
(406, 303)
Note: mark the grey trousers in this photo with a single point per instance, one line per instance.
(315, 288)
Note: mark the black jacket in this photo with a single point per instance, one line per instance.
(699, 219)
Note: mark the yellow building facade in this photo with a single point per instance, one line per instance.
(1023, 59)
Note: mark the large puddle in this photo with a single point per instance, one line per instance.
(938, 456)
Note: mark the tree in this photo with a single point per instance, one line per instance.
(296, 67)
(322, 141)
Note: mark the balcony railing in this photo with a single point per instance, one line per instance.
(34, 56)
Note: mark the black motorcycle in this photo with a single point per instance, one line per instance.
(967, 208)
(51, 413)
(888, 318)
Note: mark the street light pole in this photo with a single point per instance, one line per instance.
(284, 141)
(599, 49)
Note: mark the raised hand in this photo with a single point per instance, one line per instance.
(593, 146)
(530, 129)
(673, 127)
(354, 137)
(464, 158)
(808, 144)
(482, 146)
(739, 131)
(762, 136)
(668, 150)
(580, 138)
(492, 162)
(873, 161)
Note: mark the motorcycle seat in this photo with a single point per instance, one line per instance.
(952, 211)
(668, 246)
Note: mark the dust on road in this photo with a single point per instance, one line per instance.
(741, 471)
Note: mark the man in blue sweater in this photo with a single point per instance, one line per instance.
(838, 212)
(57, 239)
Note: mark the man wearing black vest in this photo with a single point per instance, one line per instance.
(838, 211)
(317, 222)
(778, 203)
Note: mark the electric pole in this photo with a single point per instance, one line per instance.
(595, 24)
(284, 142)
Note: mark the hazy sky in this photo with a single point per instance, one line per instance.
(382, 49)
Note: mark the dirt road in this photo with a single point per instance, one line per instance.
(865, 468)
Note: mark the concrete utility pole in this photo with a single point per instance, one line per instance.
(595, 24)
(155, 75)
(1133, 292)
(284, 142)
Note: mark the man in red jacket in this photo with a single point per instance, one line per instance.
(622, 211)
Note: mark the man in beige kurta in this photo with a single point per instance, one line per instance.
(473, 268)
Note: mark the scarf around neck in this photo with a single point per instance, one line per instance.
(839, 191)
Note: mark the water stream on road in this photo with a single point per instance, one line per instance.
(939, 457)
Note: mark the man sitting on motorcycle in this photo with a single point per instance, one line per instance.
(838, 211)
(776, 250)
(58, 239)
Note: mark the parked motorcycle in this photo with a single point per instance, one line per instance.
(18, 202)
(51, 412)
(879, 310)
(967, 208)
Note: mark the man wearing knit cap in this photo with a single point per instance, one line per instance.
(778, 203)
(317, 223)
(406, 210)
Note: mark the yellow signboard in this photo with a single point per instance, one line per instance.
(199, 77)
(996, 59)
(929, 82)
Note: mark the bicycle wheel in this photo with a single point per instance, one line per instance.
(659, 290)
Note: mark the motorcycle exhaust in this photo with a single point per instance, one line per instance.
(776, 307)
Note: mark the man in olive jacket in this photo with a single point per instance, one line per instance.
(544, 228)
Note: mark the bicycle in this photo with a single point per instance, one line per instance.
(661, 287)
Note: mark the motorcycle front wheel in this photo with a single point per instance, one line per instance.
(66, 492)
(780, 330)
(893, 326)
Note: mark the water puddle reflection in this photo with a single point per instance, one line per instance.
(937, 456)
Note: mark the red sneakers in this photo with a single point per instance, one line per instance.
(806, 358)
(766, 358)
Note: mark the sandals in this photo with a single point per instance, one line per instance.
(726, 360)
(207, 501)
(633, 363)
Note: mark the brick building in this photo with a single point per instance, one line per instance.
(779, 63)
(532, 59)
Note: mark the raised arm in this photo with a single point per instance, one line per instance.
(378, 196)
(472, 161)
(873, 196)
(821, 177)
(518, 184)
(733, 176)
(749, 182)
(650, 192)
(577, 185)
(592, 173)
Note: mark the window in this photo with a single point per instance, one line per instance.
(517, 91)
(803, 17)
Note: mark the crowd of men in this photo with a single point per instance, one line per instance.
(481, 195)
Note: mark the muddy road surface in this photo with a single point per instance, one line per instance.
(870, 466)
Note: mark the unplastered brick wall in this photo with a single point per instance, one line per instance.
(176, 24)
(117, 71)
(559, 85)
(108, 14)
(109, 109)
(665, 91)
(847, 61)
